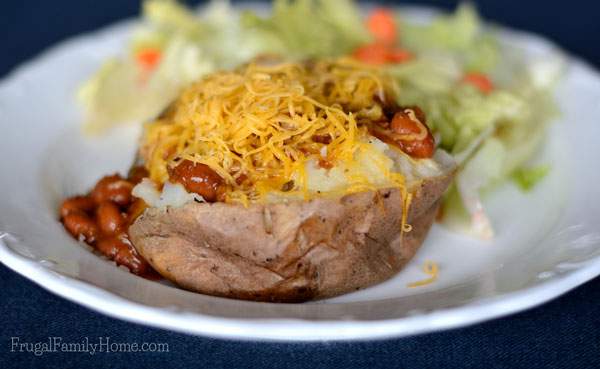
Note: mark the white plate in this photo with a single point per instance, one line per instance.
(548, 241)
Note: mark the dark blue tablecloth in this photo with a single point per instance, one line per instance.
(562, 333)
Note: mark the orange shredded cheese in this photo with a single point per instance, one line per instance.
(429, 268)
(259, 121)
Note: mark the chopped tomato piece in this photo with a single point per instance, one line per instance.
(382, 26)
(378, 53)
(480, 81)
(399, 55)
(148, 58)
(372, 53)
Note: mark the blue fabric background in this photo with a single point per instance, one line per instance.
(563, 333)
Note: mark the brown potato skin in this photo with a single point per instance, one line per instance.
(311, 250)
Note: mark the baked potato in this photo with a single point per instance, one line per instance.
(288, 252)
(276, 182)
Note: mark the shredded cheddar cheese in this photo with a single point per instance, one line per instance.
(260, 122)
(430, 268)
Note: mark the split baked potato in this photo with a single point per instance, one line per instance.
(281, 182)
(293, 251)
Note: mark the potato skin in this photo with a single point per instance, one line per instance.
(287, 252)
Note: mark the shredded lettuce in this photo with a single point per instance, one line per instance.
(171, 17)
(527, 178)
(311, 28)
(483, 169)
(459, 34)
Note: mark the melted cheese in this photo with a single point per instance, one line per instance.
(429, 268)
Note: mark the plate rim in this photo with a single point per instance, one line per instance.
(95, 298)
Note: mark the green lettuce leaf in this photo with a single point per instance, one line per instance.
(310, 28)
(460, 34)
(527, 178)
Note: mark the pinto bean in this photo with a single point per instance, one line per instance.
(404, 124)
(109, 218)
(120, 249)
(136, 174)
(80, 225)
(83, 204)
(419, 113)
(198, 178)
(113, 188)
(136, 209)
(324, 139)
(408, 122)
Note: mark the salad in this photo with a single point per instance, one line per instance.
(485, 103)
